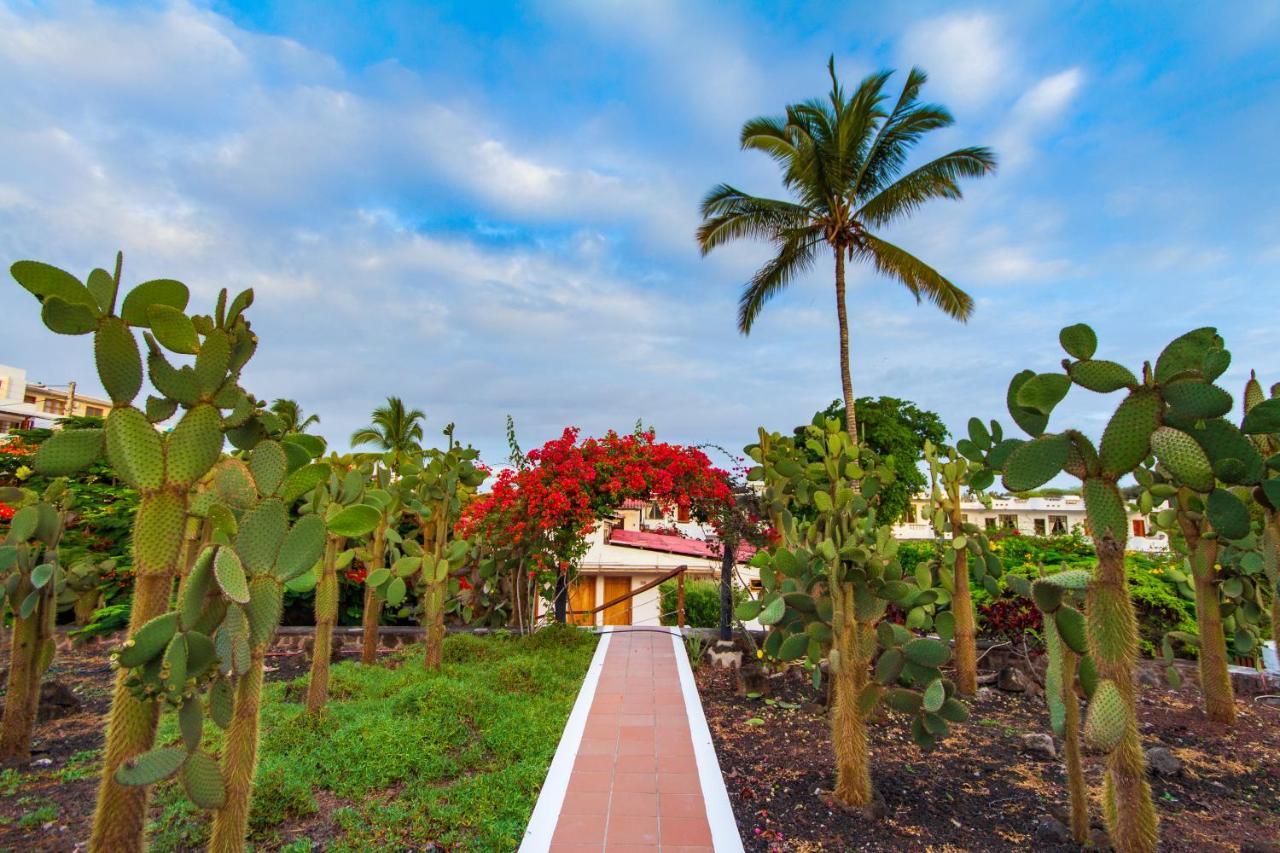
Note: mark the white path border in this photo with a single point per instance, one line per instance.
(724, 828)
(546, 812)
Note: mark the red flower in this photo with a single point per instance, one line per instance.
(6, 512)
(357, 575)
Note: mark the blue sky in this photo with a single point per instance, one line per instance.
(489, 209)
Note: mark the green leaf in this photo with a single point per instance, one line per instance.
(354, 521)
(377, 577)
(396, 591)
(773, 612)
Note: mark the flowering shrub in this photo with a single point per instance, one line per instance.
(6, 512)
(536, 516)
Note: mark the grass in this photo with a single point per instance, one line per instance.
(402, 758)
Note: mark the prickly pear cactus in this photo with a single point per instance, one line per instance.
(1262, 424)
(964, 549)
(209, 405)
(33, 579)
(437, 492)
(828, 586)
(1110, 623)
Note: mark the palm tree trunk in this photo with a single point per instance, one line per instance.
(846, 378)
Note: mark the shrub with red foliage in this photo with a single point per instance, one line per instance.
(1010, 619)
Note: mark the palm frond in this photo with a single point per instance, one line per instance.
(922, 280)
(770, 135)
(729, 214)
(795, 256)
(939, 178)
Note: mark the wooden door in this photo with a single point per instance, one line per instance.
(618, 614)
(582, 597)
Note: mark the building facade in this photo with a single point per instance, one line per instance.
(1047, 516)
(28, 405)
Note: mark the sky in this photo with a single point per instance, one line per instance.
(489, 209)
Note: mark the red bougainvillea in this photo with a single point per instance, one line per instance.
(539, 514)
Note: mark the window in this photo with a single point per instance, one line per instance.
(683, 514)
(54, 407)
(1039, 526)
(910, 517)
(1139, 527)
(1058, 525)
(93, 411)
(990, 522)
(28, 399)
(964, 518)
(1008, 522)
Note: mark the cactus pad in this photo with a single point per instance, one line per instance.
(1031, 422)
(1102, 377)
(1195, 398)
(353, 521)
(1126, 441)
(68, 451)
(1228, 514)
(927, 652)
(148, 641)
(157, 532)
(134, 448)
(269, 466)
(262, 531)
(202, 780)
(151, 767)
(44, 280)
(194, 445)
(176, 383)
(221, 702)
(1079, 341)
(1184, 459)
(1071, 628)
(1105, 721)
(1186, 354)
(173, 329)
(119, 363)
(229, 572)
(212, 361)
(302, 548)
(162, 291)
(1036, 462)
(303, 480)
(1105, 509)
(266, 601)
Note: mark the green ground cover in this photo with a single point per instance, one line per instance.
(402, 758)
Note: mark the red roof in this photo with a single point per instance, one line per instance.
(669, 544)
(632, 503)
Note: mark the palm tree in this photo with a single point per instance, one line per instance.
(393, 429)
(843, 161)
(290, 414)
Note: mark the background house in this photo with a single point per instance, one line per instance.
(25, 405)
(1043, 516)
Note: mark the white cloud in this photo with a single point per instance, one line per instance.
(966, 54)
(1035, 115)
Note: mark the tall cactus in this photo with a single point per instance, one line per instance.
(162, 468)
(1059, 599)
(1262, 424)
(1112, 627)
(952, 473)
(29, 556)
(827, 588)
(438, 492)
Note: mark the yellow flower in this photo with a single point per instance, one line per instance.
(760, 653)
(23, 472)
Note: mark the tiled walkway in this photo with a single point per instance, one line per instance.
(632, 780)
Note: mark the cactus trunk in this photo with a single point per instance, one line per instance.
(1215, 674)
(1113, 644)
(85, 606)
(1077, 793)
(240, 761)
(372, 604)
(848, 726)
(120, 817)
(326, 616)
(433, 621)
(966, 631)
(28, 661)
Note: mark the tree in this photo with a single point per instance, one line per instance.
(897, 428)
(393, 429)
(290, 414)
(843, 162)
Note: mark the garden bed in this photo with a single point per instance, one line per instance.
(400, 759)
(979, 790)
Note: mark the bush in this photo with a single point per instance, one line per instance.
(701, 602)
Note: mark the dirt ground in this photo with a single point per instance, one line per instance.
(980, 790)
(48, 805)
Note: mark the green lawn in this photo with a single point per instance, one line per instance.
(402, 757)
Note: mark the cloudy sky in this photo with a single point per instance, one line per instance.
(489, 210)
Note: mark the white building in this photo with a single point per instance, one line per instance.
(637, 545)
(15, 411)
(1048, 516)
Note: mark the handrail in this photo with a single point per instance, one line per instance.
(677, 572)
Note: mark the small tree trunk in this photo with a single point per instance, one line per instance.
(120, 816)
(240, 761)
(1215, 674)
(1113, 642)
(1077, 793)
(846, 377)
(22, 696)
(372, 603)
(562, 597)
(726, 590)
(966, 636)
(326, 616)
(848, 727)
(433, 619)
(86, 605)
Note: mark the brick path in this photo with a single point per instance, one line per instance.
(634, 781)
